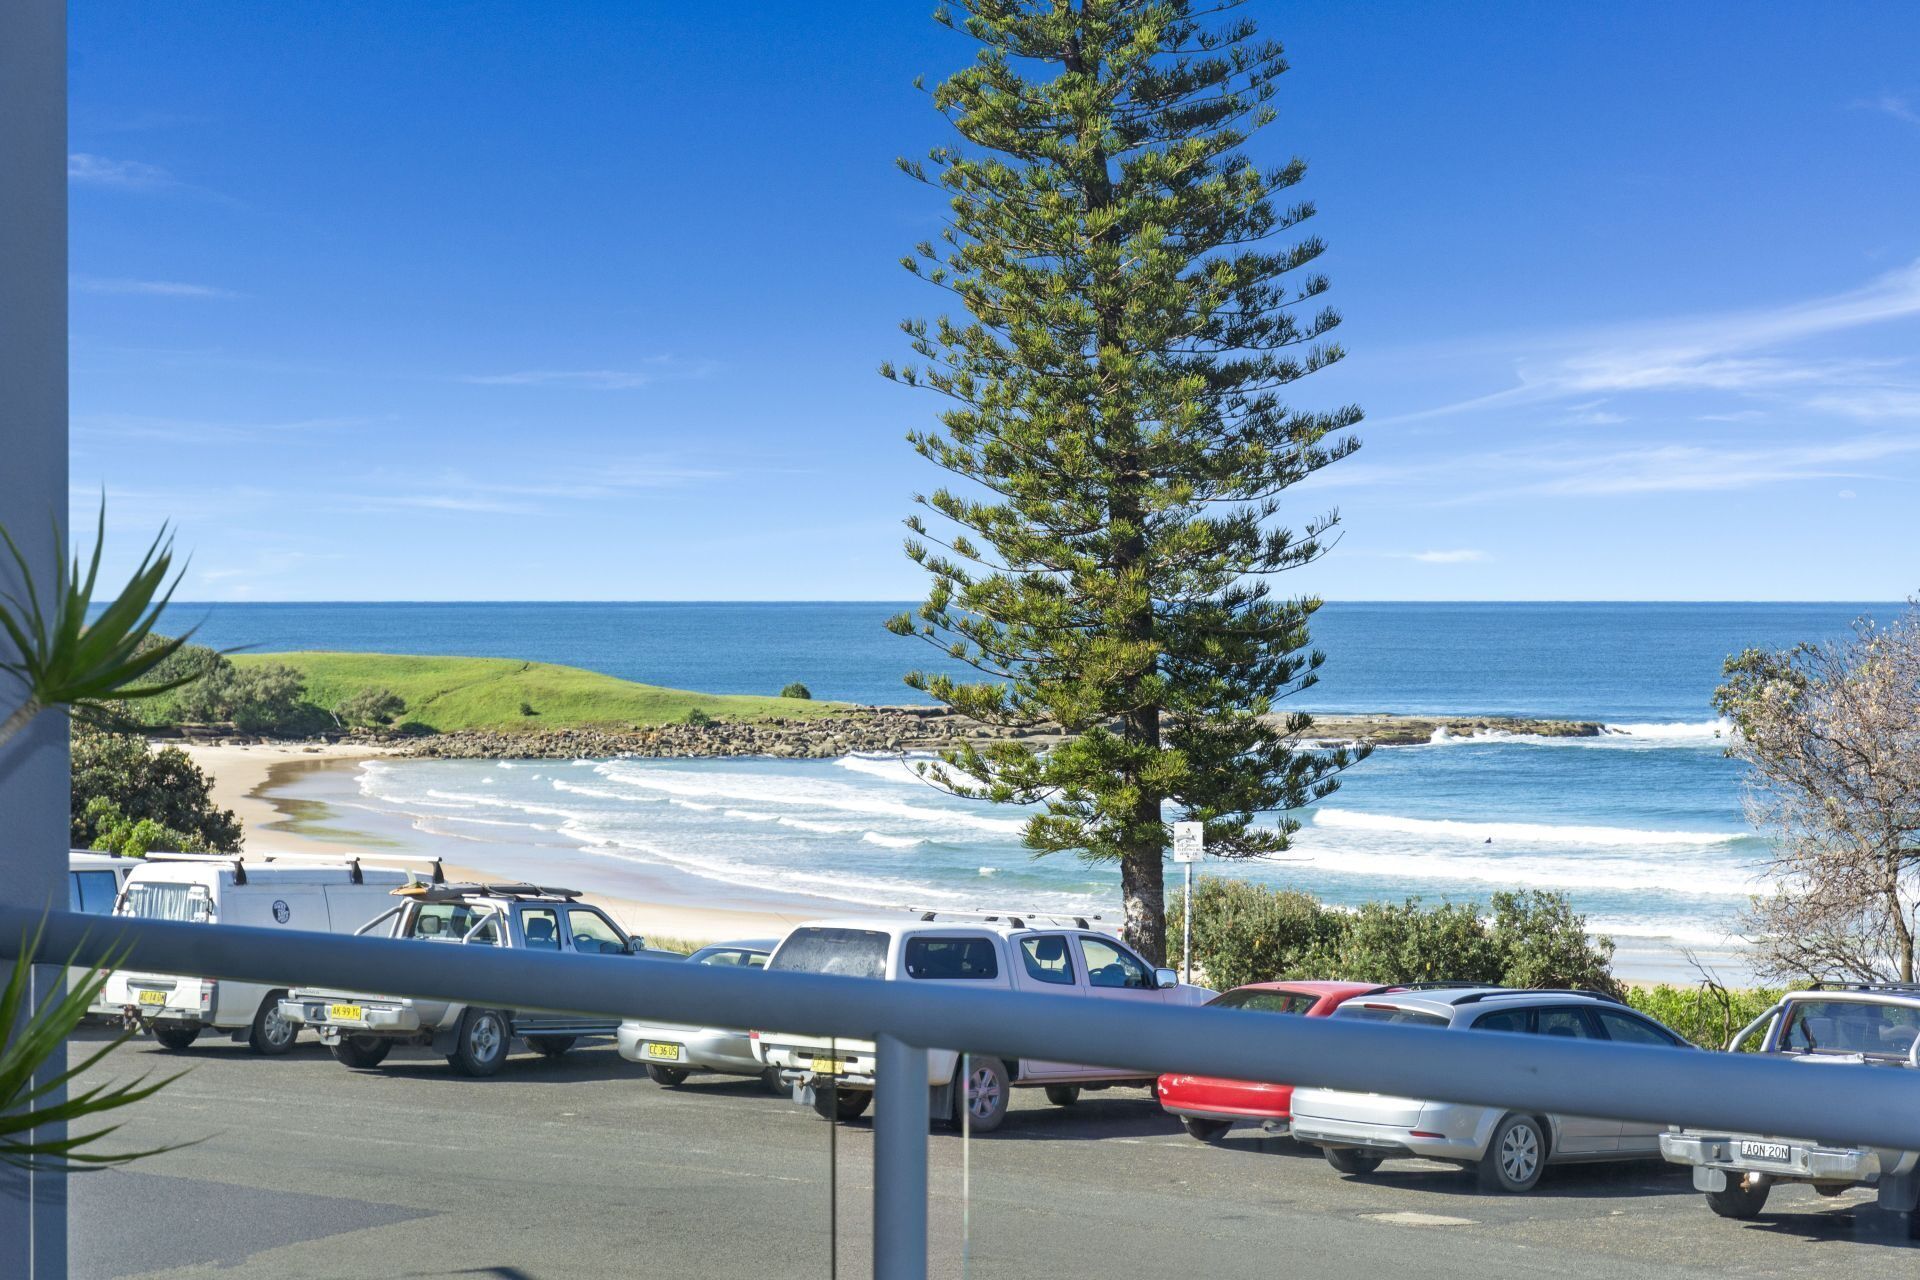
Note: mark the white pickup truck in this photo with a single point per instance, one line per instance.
(1871, 1024)
(1068, 959)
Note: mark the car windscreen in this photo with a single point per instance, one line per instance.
(1255, 1000)
(159, 900)
(846, 953)
(1365, 1012)
(1850, 1027)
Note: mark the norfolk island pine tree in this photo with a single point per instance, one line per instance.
(1116, 420)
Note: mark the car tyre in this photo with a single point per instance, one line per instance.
(1063, 1095)
(362, 1053)
(1206, 1130)
(771, 1078)
(841, 1104)
(668, 1076)
(1738, 1201)
(174, 1037)
(480, 1043)
(980, 1099)
(1352, 1163)
(271, 1035)
(554, 1047)
(1516, 1156)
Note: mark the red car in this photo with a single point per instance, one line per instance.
(1208, 1106)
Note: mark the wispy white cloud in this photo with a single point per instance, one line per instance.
(1462, 555)
(1730, 352)
(1690, 468)
(129, 175)
(148, 288)
(600, 481)
(1890, 104)
(640, 374)
(132, 426)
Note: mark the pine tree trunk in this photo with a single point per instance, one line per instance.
(1143, 890)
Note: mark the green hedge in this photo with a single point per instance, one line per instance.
(1707, 1014)
(1246, 932)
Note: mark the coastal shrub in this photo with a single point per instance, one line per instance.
(270, 698)
(1249, 933)
(139, 783)
(797, 690)
(378, 707)
(135, 837)
(1707, 1014)
(697, 716)
(1246, 932)
(526, 708)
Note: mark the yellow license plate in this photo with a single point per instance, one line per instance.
(346, 1013)
(828, 1066)
(671, 1052)
(153, 997)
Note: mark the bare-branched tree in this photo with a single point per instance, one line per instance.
(1832, 735)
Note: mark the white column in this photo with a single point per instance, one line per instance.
(33, 494)
(900, 1160)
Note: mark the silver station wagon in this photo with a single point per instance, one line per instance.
(1508, 1149)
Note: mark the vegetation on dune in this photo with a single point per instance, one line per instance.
(1246, 932)
(1139, 306)
(128, 797)
(444, 695)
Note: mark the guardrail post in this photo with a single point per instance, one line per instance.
(899, 1161)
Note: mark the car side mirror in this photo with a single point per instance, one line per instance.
(1164, 978)
(636, 945)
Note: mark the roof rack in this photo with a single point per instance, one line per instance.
(1430, 986)
(353, 862)
(1477, 996)
(441, 891)
(1910, 988)
(1018, 919)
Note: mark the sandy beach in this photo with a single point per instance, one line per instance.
(249, 778)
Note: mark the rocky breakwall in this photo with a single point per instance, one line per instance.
(881, 729)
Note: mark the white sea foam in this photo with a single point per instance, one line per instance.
(1702, 733)
(887, 768)
(1612, 873)
(1519, 832)
(892, 842)
(799, 793)
(574, 788)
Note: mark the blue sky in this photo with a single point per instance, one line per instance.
(584, 301)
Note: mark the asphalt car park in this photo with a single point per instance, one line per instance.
(582, 1168)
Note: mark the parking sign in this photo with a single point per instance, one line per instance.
(1189, 841)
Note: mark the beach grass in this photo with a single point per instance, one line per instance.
(452, 694)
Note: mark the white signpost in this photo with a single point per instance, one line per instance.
(1189, 846)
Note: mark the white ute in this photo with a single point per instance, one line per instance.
(1038, 954)
(304, 892)
(361, 1027)
(1871, 1024)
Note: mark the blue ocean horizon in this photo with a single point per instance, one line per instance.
(1642, 826)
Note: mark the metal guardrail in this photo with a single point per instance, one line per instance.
(1842, 1104)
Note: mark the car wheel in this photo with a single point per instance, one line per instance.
(668, 1076)
(841, 1104)
(771, 1078)
(981, 1103)
(1354, 1164)
(552, 1046)
(1739, 1200)
(1063, 1095)
(271, 1034)
(362, 1053)
(480, 1044)
(172, 1036)
(1516, 1156)
(1206, 1130)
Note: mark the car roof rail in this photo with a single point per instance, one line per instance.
(1431, 986)
(355, 864)
(1847, 984)
(1491, 992)
(1018, 919)
(442, 891)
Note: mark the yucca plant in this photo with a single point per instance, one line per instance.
(63, 660)
(32, 1039)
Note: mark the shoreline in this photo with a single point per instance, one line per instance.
(261, 784)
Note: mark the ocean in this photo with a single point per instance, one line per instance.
(1642, 826)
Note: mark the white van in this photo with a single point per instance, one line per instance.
(93, 886)
(307, 893)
